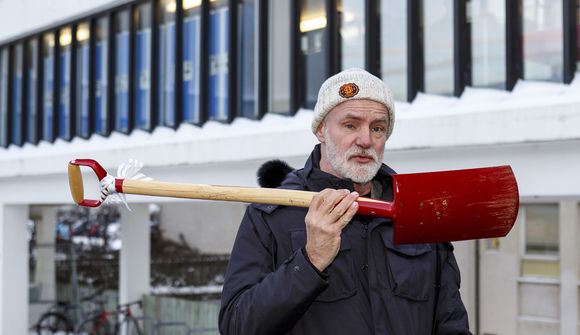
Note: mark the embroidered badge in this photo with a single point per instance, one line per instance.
(348, 90)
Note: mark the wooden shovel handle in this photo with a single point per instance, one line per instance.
(269, 196)
(223, 193)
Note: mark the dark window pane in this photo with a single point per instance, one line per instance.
(31, 91)
(191, 65)
(488, 40)
(218, 60)
(16, 124)
(543, 44)
(101, 77)
(247, 62)
(279, 57)
(394, 46)
(82, 80)
(122, 36)
(48, 88)
(4, 97)
(438, 46)
(166, 85)
(64, 67)
(142, 67)
(351, 14)
(313, 45)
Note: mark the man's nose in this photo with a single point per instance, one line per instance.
(364, 139)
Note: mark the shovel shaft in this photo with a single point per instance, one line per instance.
(269, 196)
(223, 193)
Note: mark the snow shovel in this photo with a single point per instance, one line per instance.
(427, 207)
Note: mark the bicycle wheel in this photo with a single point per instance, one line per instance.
(94, 326)
(54, 323)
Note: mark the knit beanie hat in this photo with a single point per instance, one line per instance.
(352, 84)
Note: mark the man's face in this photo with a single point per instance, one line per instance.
(353, 137)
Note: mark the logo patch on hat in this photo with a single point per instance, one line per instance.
(348, 90)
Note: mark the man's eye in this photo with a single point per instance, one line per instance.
(349, 126)
(378, 129)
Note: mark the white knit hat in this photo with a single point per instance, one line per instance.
(352, 84)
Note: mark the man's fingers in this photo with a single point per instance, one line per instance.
(348, 215)
(327, 199)
(342, 207)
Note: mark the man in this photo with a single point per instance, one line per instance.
(326, 270)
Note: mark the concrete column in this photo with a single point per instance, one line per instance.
(500, 266)
(465, 255)
(13, 269)
(134, 264)
(45, 272)
(569, 267)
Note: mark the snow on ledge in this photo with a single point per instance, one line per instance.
(533, 111)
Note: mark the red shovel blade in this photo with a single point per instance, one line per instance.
(454, 205)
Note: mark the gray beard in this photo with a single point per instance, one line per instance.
(358, 173)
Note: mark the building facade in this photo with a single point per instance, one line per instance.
(205, 91)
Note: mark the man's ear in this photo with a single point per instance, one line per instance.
(320, 132)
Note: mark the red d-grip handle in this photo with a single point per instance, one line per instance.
(75, 179)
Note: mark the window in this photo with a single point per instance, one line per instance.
(279, 57)
(31, 91)
(143, 67)
(247, 41)
(394, 46)
(543, 44)
(191, 57)
(351, 17)
(313, 36)
(167, 63)
(438, 46)
(64, 75)
(218, 60)
(83, 35)
(4, 97)
(122, 44)
(541, 241)
(488, 40)
(17, 78)
(101, 76)
(48, 119)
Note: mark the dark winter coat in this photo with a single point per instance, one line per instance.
(272, 288)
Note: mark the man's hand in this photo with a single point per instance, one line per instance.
(330, 211)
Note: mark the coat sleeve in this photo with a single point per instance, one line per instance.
(451, 318)
(256, 298)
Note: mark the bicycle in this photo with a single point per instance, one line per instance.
(58, 319)
(98, 323)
